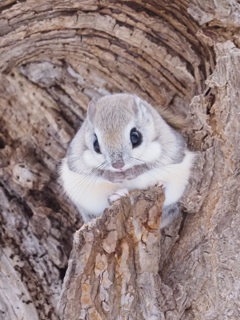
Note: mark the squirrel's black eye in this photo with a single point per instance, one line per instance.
(96, 144)
(136, 137)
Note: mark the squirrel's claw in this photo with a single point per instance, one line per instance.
(117, 195)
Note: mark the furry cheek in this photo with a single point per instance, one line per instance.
(92, 160)
(150, 153)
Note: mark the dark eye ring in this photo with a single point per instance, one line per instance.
(135, 137)
(96, 144)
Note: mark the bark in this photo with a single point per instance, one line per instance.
(55, 56)
(115, 262)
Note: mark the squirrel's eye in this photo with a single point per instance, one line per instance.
(135, 137)
(96, 144)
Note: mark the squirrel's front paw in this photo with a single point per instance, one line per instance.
(117, 195)
(160, 185)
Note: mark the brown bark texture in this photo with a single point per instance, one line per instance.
(55, 56)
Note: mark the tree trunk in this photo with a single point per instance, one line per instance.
(55, 56)
(113, 269)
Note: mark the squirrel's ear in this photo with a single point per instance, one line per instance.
(91, 110)
(139, 108)
(135, 105)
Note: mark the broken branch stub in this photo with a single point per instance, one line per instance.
(113, 269)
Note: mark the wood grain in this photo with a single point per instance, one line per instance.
(55, 56)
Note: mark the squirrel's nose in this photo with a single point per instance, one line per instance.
(118, 164)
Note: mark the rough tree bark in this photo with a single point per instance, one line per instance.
(54, 57)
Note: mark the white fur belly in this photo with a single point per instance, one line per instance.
(174, 179)
(173, 182)
(91, 194)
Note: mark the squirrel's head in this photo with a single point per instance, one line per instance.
(121, 132)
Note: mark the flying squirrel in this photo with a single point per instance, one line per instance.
(124, 144)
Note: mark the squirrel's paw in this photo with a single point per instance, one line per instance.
(160, 185)
(117, 195)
